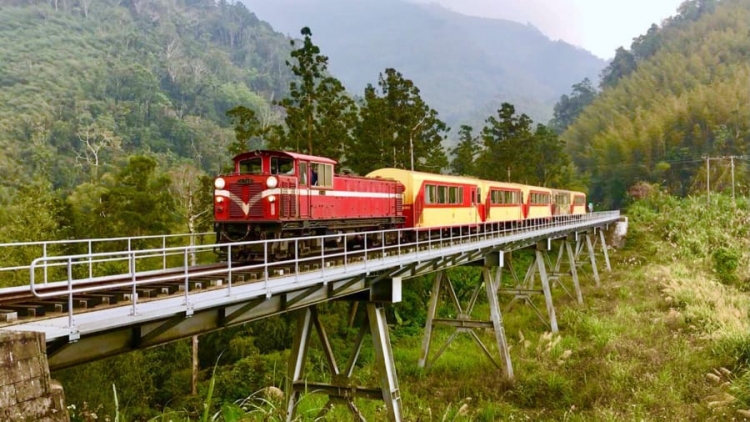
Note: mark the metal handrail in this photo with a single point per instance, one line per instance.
(131, 256)
(45, 247)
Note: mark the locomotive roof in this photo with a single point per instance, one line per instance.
(290, 154)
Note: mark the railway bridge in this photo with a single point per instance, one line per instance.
(92, 299)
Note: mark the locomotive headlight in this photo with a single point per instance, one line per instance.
(219, 183)
(219, 199)
(271, 198)
(272, 182)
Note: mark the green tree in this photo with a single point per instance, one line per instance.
(192, 191)
(466, 152)
(337, 117)
(507, 139)
(138, 201)
(398, 129)
(645, 46)
(319, 114)
(553, 167)
(34, 214)
(514, 151)
(621, 66)
(692, 10)
(569, 107)
(247, 130)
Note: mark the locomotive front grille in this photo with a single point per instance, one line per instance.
(246, 193)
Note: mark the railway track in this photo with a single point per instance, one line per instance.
(19, 303)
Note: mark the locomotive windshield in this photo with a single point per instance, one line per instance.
(281, 165)
(251, 166)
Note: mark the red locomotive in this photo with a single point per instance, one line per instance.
(281, 194)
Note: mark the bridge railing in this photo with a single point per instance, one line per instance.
(131, 269)
(12, 273)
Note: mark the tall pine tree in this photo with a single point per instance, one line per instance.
(319, 114)
(397, 128)
(466, 152)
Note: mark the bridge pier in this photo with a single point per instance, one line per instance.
(26, 391)
(463, 323)
(556, 273)
(589, 240)
(526, 288)
(341, 388)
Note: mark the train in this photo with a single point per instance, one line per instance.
(284, 195)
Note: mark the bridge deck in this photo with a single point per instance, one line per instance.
(142, 323)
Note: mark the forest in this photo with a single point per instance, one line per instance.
(116, 115)
(679, 96)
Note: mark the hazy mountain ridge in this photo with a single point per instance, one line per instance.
(461, 63)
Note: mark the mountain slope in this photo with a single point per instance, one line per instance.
(461, 63)
(688, 101)
(83, 84)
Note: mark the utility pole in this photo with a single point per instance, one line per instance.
(732, 158)
(708, 179)
(411, 141)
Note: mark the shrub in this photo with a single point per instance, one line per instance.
(725, 263)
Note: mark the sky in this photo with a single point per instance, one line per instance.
(599, 26)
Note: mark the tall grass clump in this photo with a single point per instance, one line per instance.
(710, 234)
(701, 265)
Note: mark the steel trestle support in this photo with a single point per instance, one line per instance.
(341, 390)
(464, 322)
(525, 288)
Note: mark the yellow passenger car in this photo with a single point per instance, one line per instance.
(537, 202)
(566, 202)
(503, 202)
(436, 200)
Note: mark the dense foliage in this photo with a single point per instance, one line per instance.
(679, 96)
(85, 84)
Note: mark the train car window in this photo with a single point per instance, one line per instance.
(430, 194)
(442, 194)
(303, 174)
(282, 165)
(453, 195)
(479, 195)
(322, 175)
(251, 166)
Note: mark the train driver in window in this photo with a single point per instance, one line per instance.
(314, 178)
